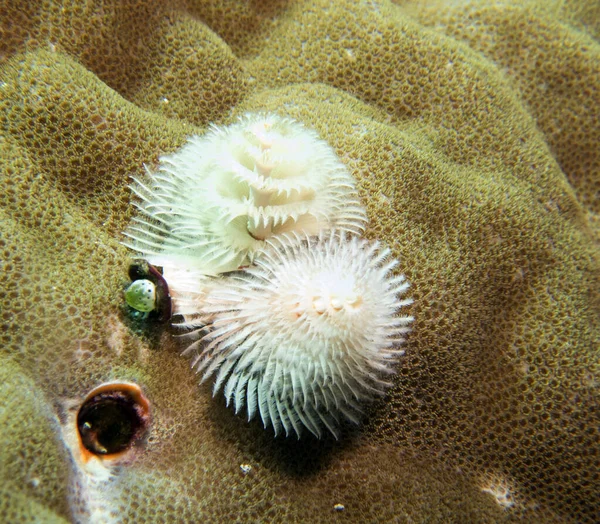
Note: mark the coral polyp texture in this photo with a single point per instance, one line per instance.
(212, 204)
(471, 130)
(305, 335)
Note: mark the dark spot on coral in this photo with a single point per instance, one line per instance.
(113, 418)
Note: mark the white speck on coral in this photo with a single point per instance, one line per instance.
(34, 482)
(499, 489)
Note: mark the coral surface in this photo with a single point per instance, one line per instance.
(472, 130)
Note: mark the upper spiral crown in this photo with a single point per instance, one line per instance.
(214, 202)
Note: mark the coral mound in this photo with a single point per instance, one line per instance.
(304, 335)
(471, 129)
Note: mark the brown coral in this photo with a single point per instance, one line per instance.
(472, 132)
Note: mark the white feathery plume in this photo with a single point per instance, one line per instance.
(212, 204)
(306, 334)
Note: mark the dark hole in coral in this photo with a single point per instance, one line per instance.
(113, 419)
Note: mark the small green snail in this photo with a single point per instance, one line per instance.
(141, 295)
(148, 294)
